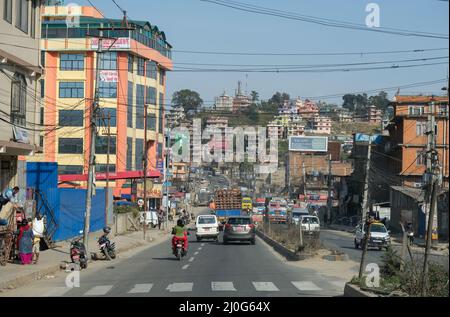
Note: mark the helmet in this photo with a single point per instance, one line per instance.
(107, 230)
(179, 222)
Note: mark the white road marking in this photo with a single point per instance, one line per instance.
(196, 253)
(339, 284)
(180, 287)
(98, 290)
(56, 291)
(199, 248)
(185, 267)
(265, 287)
(223, 286)
(191, 259)
(203, 244)
(141, 288)
(306, 286)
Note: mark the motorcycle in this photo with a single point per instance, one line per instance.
(78, 253)
(107, 248)
(179, 251)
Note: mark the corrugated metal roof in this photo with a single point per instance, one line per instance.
(415, 193)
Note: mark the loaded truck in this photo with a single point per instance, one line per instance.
(228, 202)
(277, 210)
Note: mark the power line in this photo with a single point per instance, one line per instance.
(321, 21)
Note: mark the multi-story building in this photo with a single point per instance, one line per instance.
(20, 71)
(132, 78)
(307, 109)
(240, 100)
(218, 122)
(224, 102)
(343, 115)
(295, 129)
(320, 125)
(174, 116)
(375, 115)
(408, 140)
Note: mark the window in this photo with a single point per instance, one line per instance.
(421, 158)
(415, 110)
(139, 153)
(22, 15)
(421, 128)
(130, 105)
(71, 61)
(108, 61)
(41, 141)
(141, 66)
(7, 10)
(101, 145)
(151, 96)
(161, 113)
(71, 90)
(42, 82)
(139, 107)
(130, 63)
(151, 121)
(159, 150)
(107, 89)
(33, 19)
(162, 75)
(102, 121)
(152, 69)
(70, 169)
(43, 58)
(41, 121)
(102, 168)
(129, 153)
(18, 100)
(71, 118)
(70, 146)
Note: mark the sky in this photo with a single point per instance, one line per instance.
(195, 25)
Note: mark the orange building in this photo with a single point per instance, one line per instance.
(408, 139)
(132, 76)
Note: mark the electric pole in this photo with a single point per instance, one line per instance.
(107, 170)
(145, 164)
(365, 209)
(329, 202)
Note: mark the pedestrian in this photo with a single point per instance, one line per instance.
(9, 195)
(38, 232)
(25, 243)
(160, 218)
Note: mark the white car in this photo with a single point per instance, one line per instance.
(310, 224)
(379, 236)
(207, 227)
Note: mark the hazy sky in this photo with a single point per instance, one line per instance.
(201, 26)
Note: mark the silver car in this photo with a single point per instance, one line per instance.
(239, 229)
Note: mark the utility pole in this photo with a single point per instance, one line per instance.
(304, 178)
(166, 167)
(433, 188)
(107, 170)
(329, 202)
(365, 208)
(145, 164)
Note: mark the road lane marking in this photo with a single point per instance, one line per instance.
(140, 288)
(98, 290)
(191, 259)
(265, 287)
(185, 267)
(223, 287)
(57, 291)
(306, 286)
(203, 244)
(199, 248)
(180, 287)
(196, 253)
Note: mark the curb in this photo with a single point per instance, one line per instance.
(37, 275)
(351, 290)
(289, 254)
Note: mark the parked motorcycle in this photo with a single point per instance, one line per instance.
(78, 253)
(107, 248)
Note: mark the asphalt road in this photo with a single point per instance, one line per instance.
(210, 269)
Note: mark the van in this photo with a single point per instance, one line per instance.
(207, 227)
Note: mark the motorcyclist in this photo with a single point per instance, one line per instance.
(180, 233)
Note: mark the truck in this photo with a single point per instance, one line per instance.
(277, 210)
(259, 208)
(203, 198)
(228, 202)
(247, 203)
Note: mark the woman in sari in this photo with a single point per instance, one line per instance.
(25, 243)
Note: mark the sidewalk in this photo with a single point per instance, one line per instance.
(14, 275)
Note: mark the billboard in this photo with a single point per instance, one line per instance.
(308, 143)
(120, 43)
(109, 76)
(375, 139)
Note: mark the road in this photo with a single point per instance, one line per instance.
(210, 270)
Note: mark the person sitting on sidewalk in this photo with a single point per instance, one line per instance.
(38, 231)
(25, 243)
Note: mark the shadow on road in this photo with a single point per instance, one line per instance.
(166, 259)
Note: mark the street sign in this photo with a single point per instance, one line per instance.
(140, 202)
(167, 184)
(308, 143)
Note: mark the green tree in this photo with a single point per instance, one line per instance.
(188, 99)
(278, 98)
(255, 96)
(380, 101)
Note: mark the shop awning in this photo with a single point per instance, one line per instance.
(112, 176)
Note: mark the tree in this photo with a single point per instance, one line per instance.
(255, 96)
(380, 101)
(279, 98)
(349, 102)
(188, 99)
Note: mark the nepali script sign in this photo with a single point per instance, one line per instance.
(308, 144)
(120, 43)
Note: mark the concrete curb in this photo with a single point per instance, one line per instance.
(351, 290)
(41, 273)
(289, 254)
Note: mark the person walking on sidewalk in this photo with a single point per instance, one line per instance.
(160, 218)
(38, 232)
(25, 243)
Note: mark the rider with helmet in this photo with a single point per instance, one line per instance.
(179, 233)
